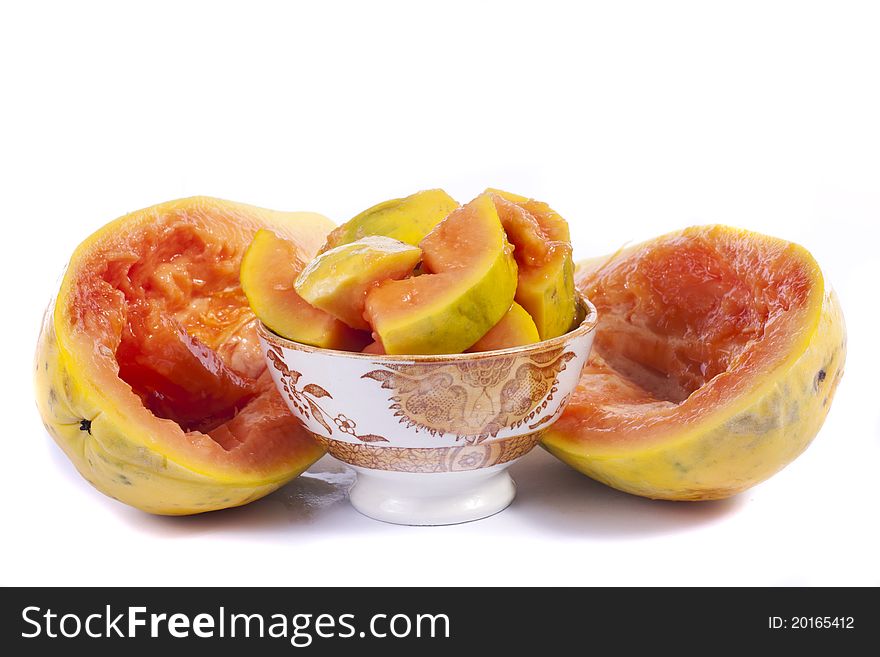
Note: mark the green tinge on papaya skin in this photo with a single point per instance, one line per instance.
(548, 294)
(337, 281)
(407, 219)
(544, 256)
(269, 268)
(468, 286)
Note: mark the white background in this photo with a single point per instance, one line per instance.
(631, 119)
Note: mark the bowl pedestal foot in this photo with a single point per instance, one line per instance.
(442, 498)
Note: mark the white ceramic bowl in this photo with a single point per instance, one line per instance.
(430, 437)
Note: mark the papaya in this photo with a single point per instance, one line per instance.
(408, 219)
(269, 270)
(715, 361)
(148, 372)
(544, 258)
(468, 285)
(337, 281)
(515, 329)
(374, 347)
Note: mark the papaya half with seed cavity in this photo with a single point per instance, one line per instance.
(715, 361)
(148, 372)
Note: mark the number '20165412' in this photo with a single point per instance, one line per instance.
(811, 623)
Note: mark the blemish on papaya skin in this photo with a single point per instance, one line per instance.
(820, 377)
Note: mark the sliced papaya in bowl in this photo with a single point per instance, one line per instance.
(715, 361)
(407, 219)
(338, 280)
(467, 285)
(515, 329)
(268, 274)
(148, 369)
(543, 253)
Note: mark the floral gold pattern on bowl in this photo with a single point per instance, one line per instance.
(303, 400)
(473, 400)
(432, 459)
(429, 416)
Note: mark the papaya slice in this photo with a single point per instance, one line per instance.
(544, 257)
(337, 281)
(269, 269)
(467, 287)
(715, 361)
(406, 219)
(148, 370)
(516, 328)
(374, 347)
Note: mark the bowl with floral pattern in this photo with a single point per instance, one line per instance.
(430, 436)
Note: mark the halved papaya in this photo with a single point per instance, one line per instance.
(468, 285)
(406, 219)
(544, 258)
(148, 371)
(516, 328)
(337, 281)
(716, 357)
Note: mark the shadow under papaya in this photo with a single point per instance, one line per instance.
(553, 495)
(314, 496)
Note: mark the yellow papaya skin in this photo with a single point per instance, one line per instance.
(738, 446)
(515, 329)
(116, 454)
(337, 281)
(113, 463)
(548, 293)
(457, 304)
(268, 271)
(406, 219)
(546, 289)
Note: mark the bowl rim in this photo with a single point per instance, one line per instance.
(587, 325)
